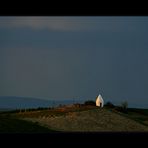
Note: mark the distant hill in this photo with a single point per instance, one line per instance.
(14, 102)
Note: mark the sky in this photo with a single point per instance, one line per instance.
(77, 57)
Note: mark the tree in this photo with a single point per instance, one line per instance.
(109, 104)
(124, 106)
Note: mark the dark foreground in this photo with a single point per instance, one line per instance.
(13, 125)
(115, 139)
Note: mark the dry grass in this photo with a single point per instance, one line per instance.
(90, 120)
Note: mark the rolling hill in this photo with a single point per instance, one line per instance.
(92, 120)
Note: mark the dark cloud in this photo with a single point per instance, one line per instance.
(111, 59)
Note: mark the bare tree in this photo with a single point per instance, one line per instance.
(124, 106)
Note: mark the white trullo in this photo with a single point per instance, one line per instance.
(99, 101)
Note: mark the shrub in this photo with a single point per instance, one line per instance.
(124, 106)
(90, 102)
(110, 105)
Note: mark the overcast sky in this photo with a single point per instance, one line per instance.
(75, 57)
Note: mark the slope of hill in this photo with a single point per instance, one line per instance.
(9, 124)
(95, 120)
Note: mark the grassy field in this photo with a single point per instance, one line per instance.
(9, 124)
(52, 112)
(86, 118)
(136, 114)
(74, 118)
(139, 115)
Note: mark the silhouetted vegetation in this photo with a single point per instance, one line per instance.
(124, 106)
(90, 102)
(139, 111)
(109, 104)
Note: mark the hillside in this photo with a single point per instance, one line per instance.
(9, 124)
(90, 120)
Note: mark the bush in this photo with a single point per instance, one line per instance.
(123, 107)
(90, 102)
(110, 105)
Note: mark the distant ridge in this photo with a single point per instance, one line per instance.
(16, 102)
